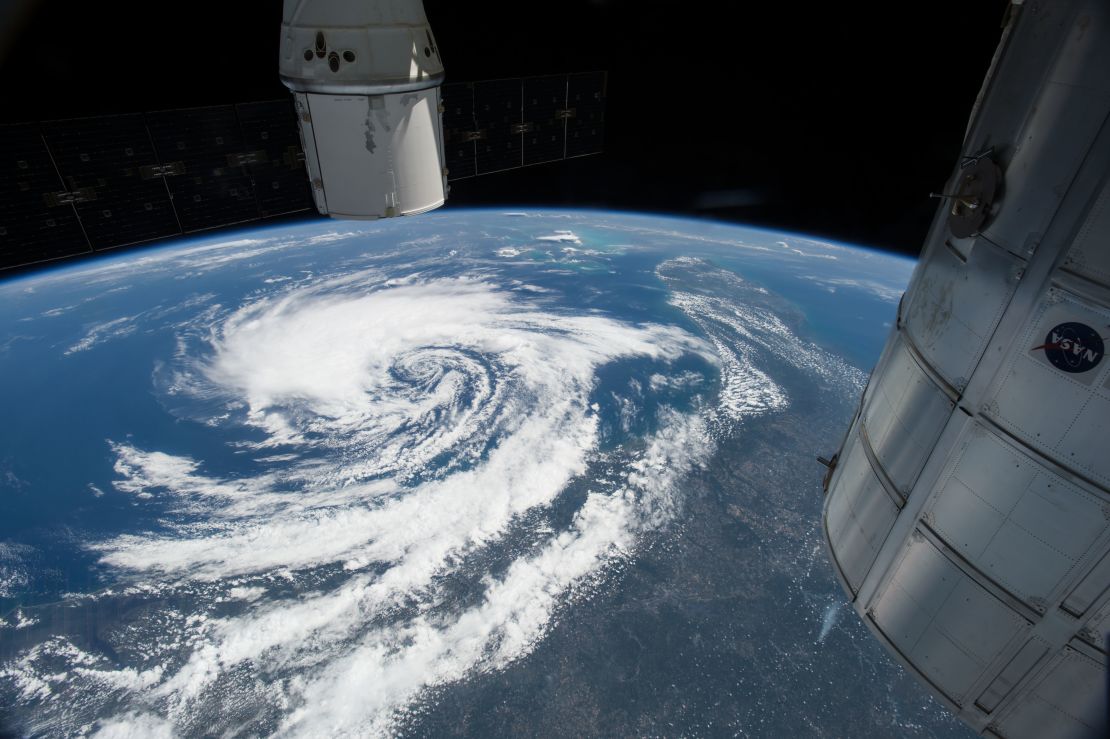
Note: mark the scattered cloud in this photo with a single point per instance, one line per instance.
(561, 237)
(885, 292)
(102, 332)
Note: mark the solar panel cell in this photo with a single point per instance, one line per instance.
(459, 127)
(31, 230)
(105, 158)
(277, 167)
(499, 115)
(215, 189)
(545, 134)
(586, 106)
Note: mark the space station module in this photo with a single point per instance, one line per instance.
(968, 510)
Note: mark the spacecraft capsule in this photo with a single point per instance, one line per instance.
(365, 78)
(968, 512)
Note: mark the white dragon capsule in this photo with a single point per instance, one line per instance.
(365, 77)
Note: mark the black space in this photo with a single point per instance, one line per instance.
(835, 119)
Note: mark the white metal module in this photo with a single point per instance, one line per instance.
(365, 77)
(968, 510)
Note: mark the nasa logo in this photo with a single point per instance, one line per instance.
(1072, 347)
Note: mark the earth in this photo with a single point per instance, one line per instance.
(473, 473)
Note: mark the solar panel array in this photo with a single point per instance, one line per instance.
(78, 186)
(496, 125)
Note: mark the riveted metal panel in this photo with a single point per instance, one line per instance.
(1016, 521)
(311, 157)
(1089, 255)
(1091, 587)
(1033, 44)
(1062, 412)
(1097, 628)
(1069, 701)
(904, 414)
(1056, 134)
(858, 517)
(960, 248)
(955, 306)
(1019, 667)
(945, 624)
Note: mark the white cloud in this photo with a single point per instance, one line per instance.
(682, 380)
(331, 237)
(135, 725)
(561, 237)
(21, 620)
(421, 422)
(417, 427)
(391, 667)
(13, 569)
(749, 339)
(883, 291)
(102, 332)
(812, 254)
